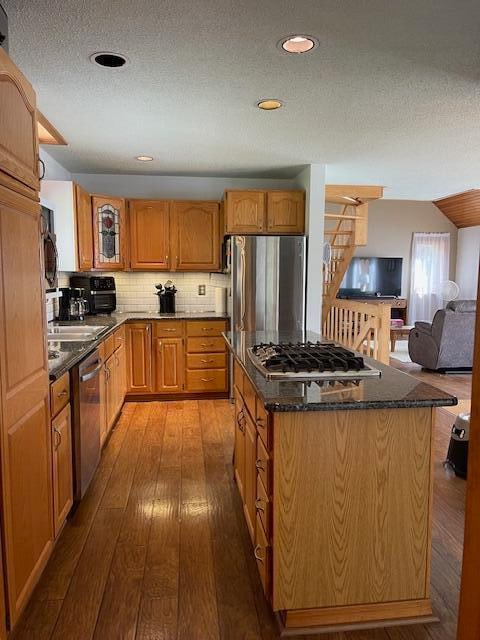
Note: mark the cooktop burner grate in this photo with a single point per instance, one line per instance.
(309, 360)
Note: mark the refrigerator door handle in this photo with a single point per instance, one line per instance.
(241, 247)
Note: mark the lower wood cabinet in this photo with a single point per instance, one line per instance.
(239, 456)
(169, 365)
(113, 381)
(250, 487)
(176, 356)
(62, 468)
(139, 357)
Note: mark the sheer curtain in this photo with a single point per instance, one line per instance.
(429, 268)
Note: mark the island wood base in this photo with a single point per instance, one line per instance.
(348, 618)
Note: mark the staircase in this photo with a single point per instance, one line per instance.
(345, 229)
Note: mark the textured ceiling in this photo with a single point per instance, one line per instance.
(391, 96)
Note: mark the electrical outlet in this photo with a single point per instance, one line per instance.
(202, 290)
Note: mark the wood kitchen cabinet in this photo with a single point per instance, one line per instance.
(18, 131)
(84, 236)
(285, 212)
(250, 485)
(26, 447)
(196, 235)
(62, 468)
(150, 234)
(264, 212)
(175, 235)
(239, 455)
(169, 365)
(139, 357)
(245, 212)
(109, 233)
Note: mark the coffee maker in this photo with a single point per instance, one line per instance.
(166, 296)
(72, 304)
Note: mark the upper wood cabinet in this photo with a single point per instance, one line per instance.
(83, 218)
(18, 129)
(150, 234)
(245, 212)
(175, 235)
(109, 233)
(196, 236)
(264, 212)
(285, 212)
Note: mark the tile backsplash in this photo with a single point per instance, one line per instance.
(136, 289)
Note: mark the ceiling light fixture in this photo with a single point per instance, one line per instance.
(269, 104)
(144, 158)
(298, 44)
(108, 59)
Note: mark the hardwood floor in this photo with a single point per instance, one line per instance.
(158, 549)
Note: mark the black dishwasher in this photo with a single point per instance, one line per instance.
(86, 422)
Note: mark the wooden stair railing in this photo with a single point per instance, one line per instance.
(360, 326)
(350, 231)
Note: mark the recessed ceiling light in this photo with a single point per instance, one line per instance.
(269, 104)
(108, 59)
(298, 43)
(144, 158)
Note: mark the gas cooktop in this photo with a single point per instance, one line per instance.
(309, 361)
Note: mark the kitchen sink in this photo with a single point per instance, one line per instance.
(73, 333)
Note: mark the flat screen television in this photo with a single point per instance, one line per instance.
(372, 277)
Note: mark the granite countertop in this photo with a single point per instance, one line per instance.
(393, 389)
(71, 353)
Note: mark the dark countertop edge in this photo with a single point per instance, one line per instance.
(76, 358)
(277, 407)
(353, 406)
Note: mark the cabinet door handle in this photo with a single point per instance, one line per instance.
(258, 505)
(166, 260)
(206, 361)
(169, 329)
(58, 437)
(204, 344)
(62, 394)
(256, 553)
(207, 328)
(207, 379)
(259, 464)
(260, 423)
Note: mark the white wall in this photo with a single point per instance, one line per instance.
(312, 179)
(391, 224)
(171, 187)
(468, 250)
(53, 169)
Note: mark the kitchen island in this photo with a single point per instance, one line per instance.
(336, 485)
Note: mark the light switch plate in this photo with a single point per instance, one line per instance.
(202, 290)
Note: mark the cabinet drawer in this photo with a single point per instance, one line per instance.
(262, 554)
(206, 345)
(197, 328)
(238, 376)
(264, 424)
(263, 466)
(59, 394)
(168, 329)
(109, 345)
(207, 361)
(211, 380)
(119, 337)
(249, 396)
(263, 507)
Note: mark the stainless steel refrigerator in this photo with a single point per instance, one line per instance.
(268, 283)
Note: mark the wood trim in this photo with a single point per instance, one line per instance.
(362, 613)
(345, 193)
(463, 209)
(469, 611)
(47, 134)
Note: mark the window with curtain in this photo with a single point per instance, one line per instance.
(429, 268)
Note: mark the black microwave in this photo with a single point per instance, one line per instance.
(99, 292)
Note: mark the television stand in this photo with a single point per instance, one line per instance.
(399, 305)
